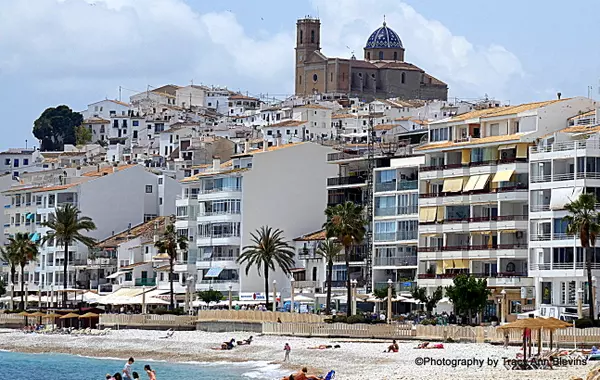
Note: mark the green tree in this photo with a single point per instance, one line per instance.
(83, 135)
(430, 302)
(7, 255)
(2, 287)
(56, 127)
(468, 294)
(382, 292)
(66, 226)
(268, 249)
(169, 243)
(25, 252)
(210, 295)
(329, 250)
(346, 223)
(583, 222)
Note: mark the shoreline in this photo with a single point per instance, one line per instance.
(354, 360)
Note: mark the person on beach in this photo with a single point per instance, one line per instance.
(117, 376)
(127, 369)
(136, 376)
(393, 347)
(287, 350)
(150, 372)
(109, 377)
(506, 338)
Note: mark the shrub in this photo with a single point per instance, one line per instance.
(584, 323)
(355, 319)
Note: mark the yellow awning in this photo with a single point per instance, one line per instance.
(522, 150)
(439, 268)
(440, 213)
(455, 264)
(509, 146)
(452, 185)
(466, 156)
(503, 176)
(431, 213)
(481, 182)
(471, 183)
(423, 214)
(507, 231)
(431, 234)
(480, 232)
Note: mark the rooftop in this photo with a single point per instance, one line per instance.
(475, 141)
(269, 149)
(107, 170)
(313, 236)
(286, 123)
(211, 173)
(145, 229)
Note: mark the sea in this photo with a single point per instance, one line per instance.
(20, 366)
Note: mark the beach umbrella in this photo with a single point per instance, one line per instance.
(24, 314)
(69, 316)
(89, 315)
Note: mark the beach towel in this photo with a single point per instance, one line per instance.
(330, 375)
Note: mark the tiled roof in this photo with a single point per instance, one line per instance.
(405, 118)
(107, 170)
(503, 111)
(581, 129)
(144, 229)
(37, 189)
(287, 123)
(96, 120)
(384, 127)
(315, 106)
(474, 141)
(269, 149)
(211, 173)
(318, 235)
(135, 265)
(420, 122)
(242, 97)
(585, 114)
(342, 116)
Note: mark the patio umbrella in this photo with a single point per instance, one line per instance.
(89, 315)
(24, 314)
(69, 316)
(534, 324)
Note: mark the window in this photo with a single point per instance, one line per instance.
(315, 77)
(395, 59)
(301, 36)
(495, 129)
(7, 161)
(368, 56)
(160, 201)
(403, 76)
(16, 163)
(160, 181)
(148, 189)
(331, 76)
(380, 55)
(149, 217)
(312, 36)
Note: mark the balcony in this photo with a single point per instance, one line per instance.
(343, 181)
(549, 237)
(505, 188)
(400, 261)
(145, 282)
(358, 253)
(395, 236)
(425, 276)
(450, 248)
(306, 284)
(385, 186)
(219, 190)
(308, 254)
(385, 211)
(480, 219)
(344, 283)
(556, 177)
(219, 258)
(539, 208)
(563, 266)
(405, 286)
(408, 210)
(342, 156)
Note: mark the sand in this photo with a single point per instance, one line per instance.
(353, 361)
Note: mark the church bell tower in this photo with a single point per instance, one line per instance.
(308, 40)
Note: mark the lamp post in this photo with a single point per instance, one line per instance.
(274, 295)
(353, 283)
(292, 280)
(580, 303)
(595, 295)
(503, 292)
(12, 295)
(144, 299)
(389, 301)
(230, 288)
(26, 294)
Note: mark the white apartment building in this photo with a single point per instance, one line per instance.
(114, 197)
(16, 161)
(473, 206)
(563, 165)
(105, 109)
(279, 186)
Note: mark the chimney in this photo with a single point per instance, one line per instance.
(216, 163)
(558, 95)
(247, 146)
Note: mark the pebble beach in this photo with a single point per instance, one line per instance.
(354, 360)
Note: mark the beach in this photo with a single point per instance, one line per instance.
(354, 360)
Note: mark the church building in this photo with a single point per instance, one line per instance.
(382, 73)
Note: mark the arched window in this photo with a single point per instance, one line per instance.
(314, 274)
(381, 56)
(299, 79)
(403, 78)
(368, 56)
(301, 36)
(316, 78)
(312, 36)
(395, 56)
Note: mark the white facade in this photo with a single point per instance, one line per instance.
(16, 161)
(219, 209)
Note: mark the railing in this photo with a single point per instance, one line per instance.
(306, 284)
(511, 160)
(257, 316)
(430, 168)
(404, 235)
(505, 188)
(141, 320)
(407, 185)
(210, 281)
(562, 236)
(216, 213)
(423, 276)
(343, 283)
(308, 254)
(484, 163)
(145, 282)
(402, 261)
(341, 156)
(408, 210)
(450, 248)
(562, 266)
(221, 236)
(385, 236)
(406, 286)
(342, 330)
(540, 208)
(219, 190)
(219, 258)
(386, 211)
(563, 146)
(563, 177)
(341, 181)
(481, 219)
(385, 186)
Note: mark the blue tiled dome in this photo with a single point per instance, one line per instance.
(384, 38)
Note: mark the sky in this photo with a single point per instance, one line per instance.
(76, 52)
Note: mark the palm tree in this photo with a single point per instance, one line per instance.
(267, 250)
(329, 250)
(169, 242)
(66, 226)
(25, 251)
(346, 223)
(584, 221)
(7, 254)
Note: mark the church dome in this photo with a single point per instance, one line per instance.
(384, 38)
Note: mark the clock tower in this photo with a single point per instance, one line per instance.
(308, 40)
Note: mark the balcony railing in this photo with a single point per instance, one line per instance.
(219, 190)
(216, 213)
(480, 219)
(145, 282)
(408, 210)
(357, 253)
(407, 185)
(406, 286)
(563, 146)
(505, 188)
(473, 247)
(343, 283)
(557, 177)
(219, 236)
(351, 180)
(385, 186)
(308, 254)
(341, 156)
(474, 274)
(540, 208)
(219, 281)
(385, 211)
(219, 258)
(401, 261)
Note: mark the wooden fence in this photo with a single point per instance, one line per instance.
(11, 319)
(339, 330)
(141, 320)
(256, 316)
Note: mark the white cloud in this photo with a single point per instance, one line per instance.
(469, 70)
(154, 40)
